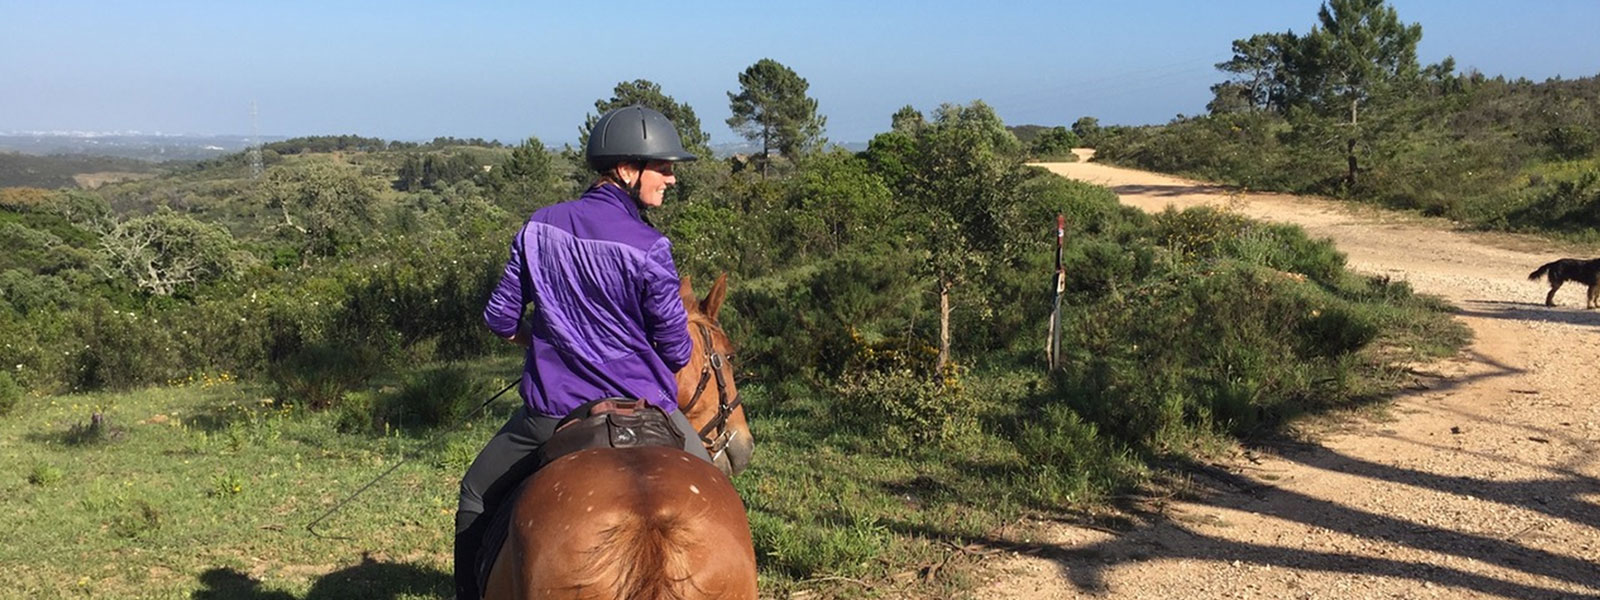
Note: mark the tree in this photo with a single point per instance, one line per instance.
(1359, 51)
(963, 171)
(836, 201)
(434, 171)
(329, 205)
(166, 251)
(890, 155)
(1358, 57)
(648, 94)
(1259, 74)
(772, 107)
(527, 180)
(979, 119)
(1056, 142)
(907, 120)
(1087, 129)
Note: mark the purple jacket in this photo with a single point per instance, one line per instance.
(607, 319)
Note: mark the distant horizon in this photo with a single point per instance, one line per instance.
(151, 146)
(269, 138)
(489, 69)
(516, 139)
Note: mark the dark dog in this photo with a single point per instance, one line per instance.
(1586, 272)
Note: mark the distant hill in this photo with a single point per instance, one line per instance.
(50, 172)
(146, 147)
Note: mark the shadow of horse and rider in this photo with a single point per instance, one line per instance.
(370, 579)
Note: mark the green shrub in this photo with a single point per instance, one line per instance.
(1225, 348)
(1066, 461)
(1054, 144)
(10, 394)
(893, 389)
(44, 474)
(226, 485)
(1569, 205)
(802, 320)
(434, 397)
(140, 520)
(37, 350)
(121, 348)
(318, 377)
(356, 412)
(1335, 331)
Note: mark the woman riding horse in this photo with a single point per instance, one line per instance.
(608, 318)
(642, 523)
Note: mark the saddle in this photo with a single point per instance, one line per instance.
(611, 423)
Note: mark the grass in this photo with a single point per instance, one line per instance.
(206, 492)
(203, 489)
(207, 489)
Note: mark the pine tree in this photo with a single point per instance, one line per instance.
(772, 107)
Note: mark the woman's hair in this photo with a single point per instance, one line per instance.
(609, 174)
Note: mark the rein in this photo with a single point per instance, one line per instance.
(714, 364)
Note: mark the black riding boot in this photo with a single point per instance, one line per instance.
(466, 569)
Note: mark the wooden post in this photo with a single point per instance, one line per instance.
(1053, 345)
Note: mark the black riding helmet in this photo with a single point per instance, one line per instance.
(633, 134)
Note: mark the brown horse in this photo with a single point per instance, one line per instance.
(643, 523)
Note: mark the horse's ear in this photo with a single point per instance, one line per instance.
(686, 291)
(713, 301)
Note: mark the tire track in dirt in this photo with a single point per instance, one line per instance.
(1485, 483)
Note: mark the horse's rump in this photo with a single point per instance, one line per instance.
(647, 523)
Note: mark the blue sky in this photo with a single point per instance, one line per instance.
(507, 70)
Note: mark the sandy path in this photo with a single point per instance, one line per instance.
(1484, 485)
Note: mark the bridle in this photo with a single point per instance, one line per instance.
(716, 434)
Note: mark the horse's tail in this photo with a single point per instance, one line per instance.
(1541, 270)
(643, 557)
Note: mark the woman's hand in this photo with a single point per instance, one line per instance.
(523, 335)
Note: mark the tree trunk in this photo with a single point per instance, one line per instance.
(766, 152)
(1350, 149)
(944, 326)
(1350, 164)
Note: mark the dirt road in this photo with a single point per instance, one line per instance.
(1484, 485)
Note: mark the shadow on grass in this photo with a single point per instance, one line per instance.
(221, 584)
(369, 579)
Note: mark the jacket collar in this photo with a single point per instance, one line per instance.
(615, 196)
